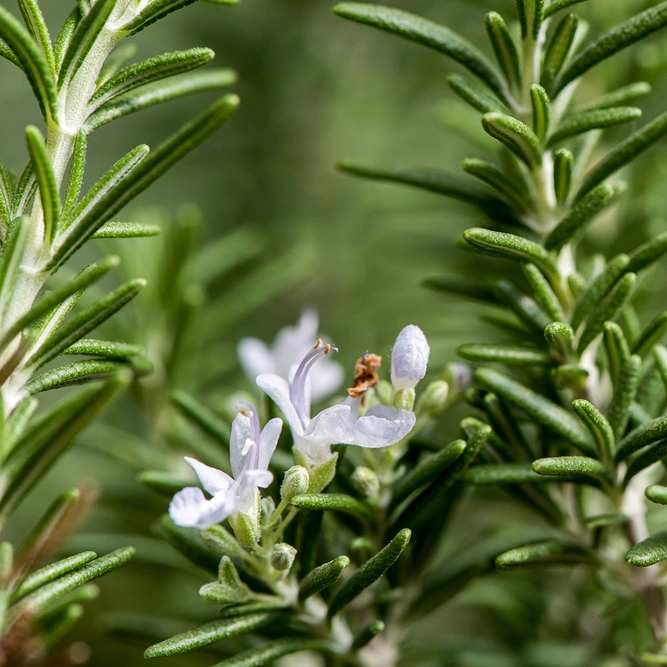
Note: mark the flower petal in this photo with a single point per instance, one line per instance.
(292, 343)
(331, 426)
(382, 426)
(213, 480)
(409, 358)
(277, 389)
(255, 357)
(189, 508)
(269, 442)
(241, 431)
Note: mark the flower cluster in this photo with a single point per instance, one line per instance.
(350, 422)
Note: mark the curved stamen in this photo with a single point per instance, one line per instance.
(298, 385)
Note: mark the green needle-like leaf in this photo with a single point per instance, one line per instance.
(34, 20)
(189, 542)
(563, 168)
(607, 310)
(645, 459)
(427, 471)
(618, 412)
(475, 95)
(46, 182)
(598, 426)
(210, 633)
(544, 554)
(595, 119)
(75, 178)
(322, 577)
(512, 355)
(650, 551)
(620, 97)
(558, 50)
(515, 135)
(559, 5)
(429, 34)
(154, 12)
(511, 246)
(643, 435)
(657, 494)
(571, 466)
(504, 48)
(541, 110)
(367, 634)
(335, 502)
(625, 152)
(581, 214)
(541, 409)
(126, 230)
(268, 653)
(369, 572)
(651, 335)
(202, 416)
(544, 293)
(613, 41)
(648, 253)
(499, 181)
(506, 473)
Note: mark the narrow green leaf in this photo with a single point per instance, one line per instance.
(625, 152)
(599, 288)
(64, 36)
(322, 577)
(563, 167)
(46, 182)
(475, 95)
(505, 473)
(651, 335)
(49, 437)
(427, 471)
(559, 5)
(541, 111)
(595, 119)
(202, 416)
(188, 541)
(544, 554)
(645, 459)
(541, 409)
(93, 570)
(119, 56)
(499, 181)
(544, 293)
(25, 191)
(515, 135)
(648, 253)
(608, 309)
(158, 93)
(426, 179)
(154, 12)
(525, 308)
(150, 71)
(660, 357)
(76, 171)
(8, 54)
(104, 348)
(126, 230)
(369, 572)
(335, 502)
(49, 573)
(83, 39)
(85, 321)
(513, 355)
(620, 97)
(34, 20)
(163, 483)
(643, 435)
(583, 212)
(613, 41)
(650, 551)
(504, 48)
(598, 426)
(427, 33)
(142, 175)
(210, 633)
(86, 277)
(571, 466)
(6, 195)
(618, 412)
(267, 653)
(511, 246)
(78, 372)
(657, 494)
(559, 337)
(11, 256)
(558, 50)
(32, 61)
(367, 634)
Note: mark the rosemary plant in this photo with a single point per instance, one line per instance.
(80, 83)
(342, 561)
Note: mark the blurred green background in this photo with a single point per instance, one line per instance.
(315, 90)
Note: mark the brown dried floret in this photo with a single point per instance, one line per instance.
(365, 374)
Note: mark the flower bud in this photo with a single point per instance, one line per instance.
(458, 376)
(246, 528)
(434, 400)
(268, 507)
(282, 556)
(365, 481)
(229, 589)
(296, 482)
(220, 542)
(404, 399)
(409, 358)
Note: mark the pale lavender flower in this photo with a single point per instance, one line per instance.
(409, 358)
(286, 352)
(250, 454)
(380, 426)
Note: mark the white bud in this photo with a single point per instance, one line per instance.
(409, 358)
